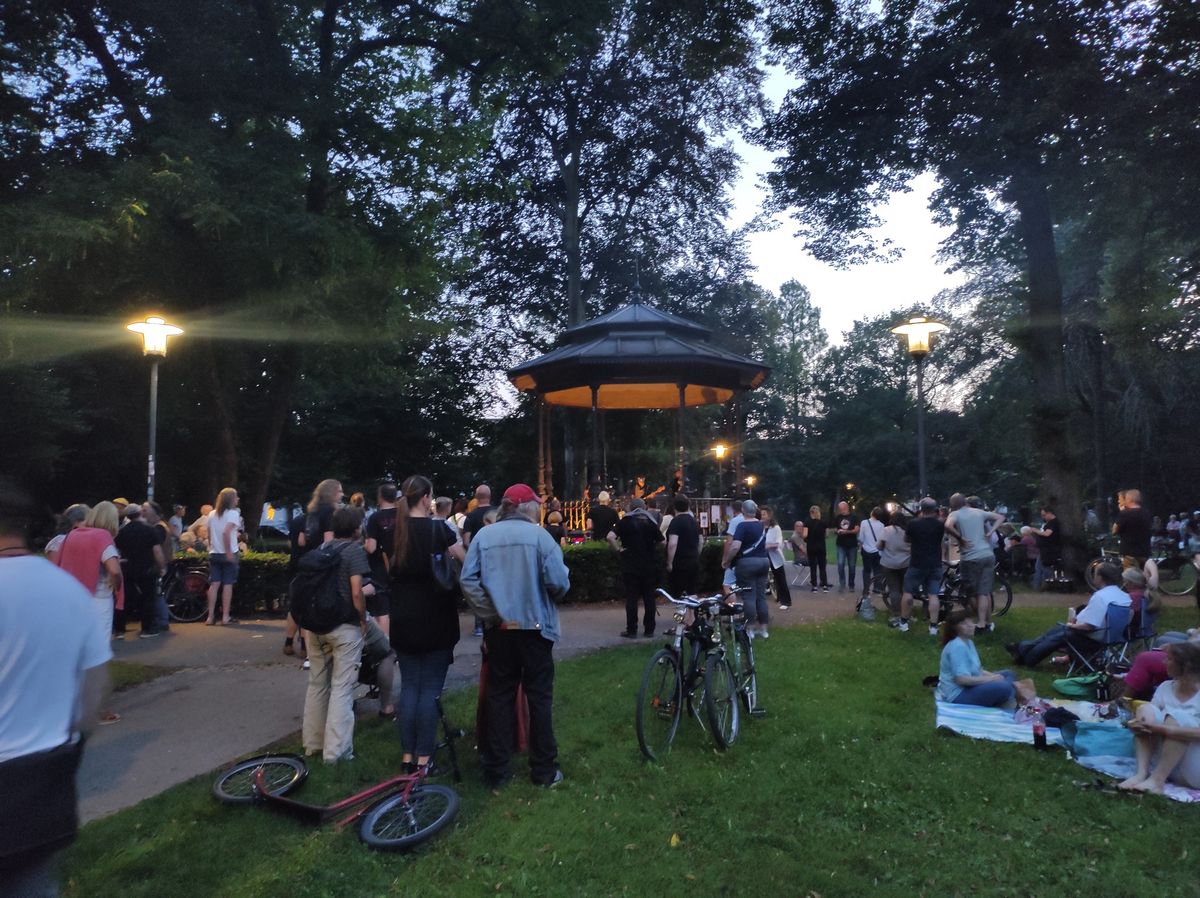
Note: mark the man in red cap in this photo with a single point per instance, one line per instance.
(513, 574)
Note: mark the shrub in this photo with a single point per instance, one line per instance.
(262, 581)
(596, 571)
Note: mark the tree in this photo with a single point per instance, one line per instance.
(1004, 102)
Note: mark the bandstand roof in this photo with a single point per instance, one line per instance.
(638, 357)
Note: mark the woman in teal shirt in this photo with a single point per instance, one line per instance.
(961, 678)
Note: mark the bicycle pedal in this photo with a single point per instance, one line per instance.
(758, 712)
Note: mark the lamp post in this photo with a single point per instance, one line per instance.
(154, 332)
(918, 333)
(720, 450)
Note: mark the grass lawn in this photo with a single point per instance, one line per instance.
(126, 674)
(844, 789)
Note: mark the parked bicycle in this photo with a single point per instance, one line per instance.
(185, 585)
(1176, 570)
(399, 813)
(741, 652)
(692, 671)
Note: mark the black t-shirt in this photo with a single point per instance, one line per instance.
(474, 521)
(638, 535)
(295, 550)
(816, 534)
(604, 519)
(136, 541)
(687, 528)
(1133, 527)
(381, 527)
(424, 617)
(925, 535)
(849, 522)
(1050, 541)
(317, 524)
(556, 531)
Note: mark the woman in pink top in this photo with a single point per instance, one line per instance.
(89, 554)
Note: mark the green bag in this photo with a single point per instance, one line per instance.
(1078, 687)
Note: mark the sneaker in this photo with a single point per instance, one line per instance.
(764, 633)
(479, 632)
(814, 589)
(648, 634)
(902, 626)
(118, 636)
(933, 631)
(628, 634)
(149, 634)
(785, 607)
(552, 782)
(987, 628)
(751, 633)
(289, 647)
(826, 588)
(893, 622)
(307, 665)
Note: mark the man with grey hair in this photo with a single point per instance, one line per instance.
(746, 555)
(636, 537)
(972, 527)
(512, 577)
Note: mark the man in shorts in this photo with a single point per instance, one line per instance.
(924, 536)
(972, 527)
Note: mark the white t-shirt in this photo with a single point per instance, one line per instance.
(775, 538)
(48, 638)
(216, 531)
(1096, 610)
(870, 532)
(1186, 714)
(103, 584)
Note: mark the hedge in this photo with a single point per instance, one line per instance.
(595, 575)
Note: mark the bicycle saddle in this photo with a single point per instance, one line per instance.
(730, 609)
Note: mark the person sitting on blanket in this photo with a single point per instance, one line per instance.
(961, 678)
(1168, 728)
(1083, 631)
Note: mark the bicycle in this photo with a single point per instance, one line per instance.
(1176, 571)
(952, 593)
(399, 813)
(185, 585)
(741, 647)
(702, 678)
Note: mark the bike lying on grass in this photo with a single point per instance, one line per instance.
(693, 670)
(396, 814)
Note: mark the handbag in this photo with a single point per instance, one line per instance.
(1084, 738)
(40, 805)
(441, 565)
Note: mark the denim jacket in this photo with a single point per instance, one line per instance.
(513, 574)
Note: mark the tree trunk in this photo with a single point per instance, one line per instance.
(288, 373)
(1050, 404)
(223, 464)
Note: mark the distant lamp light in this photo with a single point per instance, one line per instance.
(919, 333)
(719, 450)
(849, 486)
(154, 332)
(891, 507)
(751, 480)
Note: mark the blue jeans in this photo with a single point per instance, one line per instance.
(753, 572)
(847, 557)
(421, 680)
(988, 695)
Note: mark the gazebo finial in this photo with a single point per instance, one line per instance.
(637, 282)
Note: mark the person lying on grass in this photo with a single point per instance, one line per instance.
(1168, 728)
(961, 678)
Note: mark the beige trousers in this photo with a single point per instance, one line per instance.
(329, 705)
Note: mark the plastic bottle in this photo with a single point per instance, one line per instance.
(1039, 733)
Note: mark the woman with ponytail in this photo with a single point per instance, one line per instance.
(424, 620)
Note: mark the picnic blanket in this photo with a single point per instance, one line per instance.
(992, 724)
(997, 725)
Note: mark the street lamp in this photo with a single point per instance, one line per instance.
(154, 332)
(720, 451)
(751, 480)
(918, 333)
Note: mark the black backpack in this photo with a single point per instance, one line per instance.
(313, 595)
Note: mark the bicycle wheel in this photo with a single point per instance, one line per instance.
(282, 773)
(746, 672)
(187, 598)
(1090, 575)
(1176, 577)
(1001, 597)
(720, 701)
(659, 704)
(400, 822)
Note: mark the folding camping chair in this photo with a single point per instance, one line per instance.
(1112, 646)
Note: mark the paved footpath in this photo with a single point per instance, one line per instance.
(232, 691)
